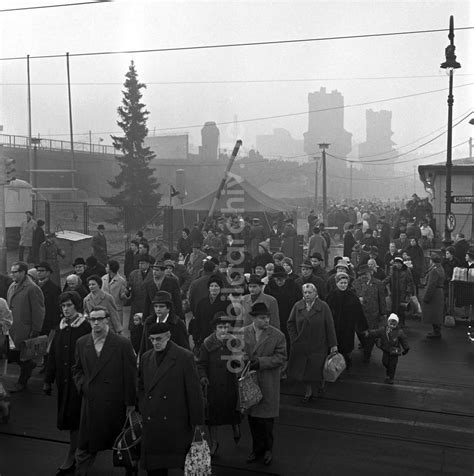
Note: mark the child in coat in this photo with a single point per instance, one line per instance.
(136, 331)
(393, 343)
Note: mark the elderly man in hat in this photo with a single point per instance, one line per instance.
(99, 245)
(49, 252)
(371, 294)
(255, 287)
(161, 282)
(265, 348)
(105, 374)
(163, 312)
(170, 401)
(307, 277)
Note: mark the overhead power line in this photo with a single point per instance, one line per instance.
(38, 7)
(240, 81)
(238, 45)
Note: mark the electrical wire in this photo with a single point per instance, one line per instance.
(241, 81)
(38, 7)
(264, 118)
(239, 45)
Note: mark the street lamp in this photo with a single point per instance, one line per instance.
(450, 64)
(323, 146)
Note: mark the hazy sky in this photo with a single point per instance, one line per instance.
(396, 65)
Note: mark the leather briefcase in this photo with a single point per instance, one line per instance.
(33, 349)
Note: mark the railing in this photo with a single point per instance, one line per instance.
(53, 144)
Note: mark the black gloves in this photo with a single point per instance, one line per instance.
(254, 364)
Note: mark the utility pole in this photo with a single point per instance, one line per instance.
(3, 231)
(470, 147)
(350, 186)
(450, 64)
(73, 161)
(316, 163)
(30, 152)
(323, 146)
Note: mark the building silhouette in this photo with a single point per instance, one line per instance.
(326, 124)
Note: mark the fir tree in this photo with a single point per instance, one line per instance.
(137, 196)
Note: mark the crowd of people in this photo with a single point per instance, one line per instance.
(201, 315)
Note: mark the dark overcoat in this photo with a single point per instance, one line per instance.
(432, 304)
(99, 248)
(168, 284)
(107, 385)
(205, 312)
(171, 403)
(59, 368)
(215, 363)
(348, 316)
(312, 334)
(179, 334)
(51, 292)
(270, 351)
(137, 281)
(373, 299)
(401, 286)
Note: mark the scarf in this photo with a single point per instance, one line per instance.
(76, 322)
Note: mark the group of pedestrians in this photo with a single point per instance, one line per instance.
(196, 321)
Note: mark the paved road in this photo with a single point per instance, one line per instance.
(422, 425)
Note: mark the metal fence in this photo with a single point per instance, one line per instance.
(84, 218)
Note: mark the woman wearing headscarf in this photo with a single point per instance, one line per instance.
(432, 305)
(59, 369)
(312, 337)
(218, 372)
(347, 314)
(206, 309)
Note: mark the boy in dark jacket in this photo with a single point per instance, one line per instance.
(393, 343)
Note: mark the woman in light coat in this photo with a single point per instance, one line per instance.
(313, 337)
(97, 297)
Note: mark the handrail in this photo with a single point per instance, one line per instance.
(15, 141)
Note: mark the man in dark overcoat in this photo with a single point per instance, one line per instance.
(105, 375)
(26, 302)
(51, 292)
(170, 401)
(163, 312)
(161, 282)
(99, 245)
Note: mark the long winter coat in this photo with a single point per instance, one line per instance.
(288, 240)
(59, 368)
(287, 296)
(271, 303)
(49, 251)
(205, 312)
(107, 385)
(136, 281)
(99, 248)
(168, 284)
(432, 305)
(348, 317)
(26, 301)
(215, 363)
(105, 300)
(373, 299)
(179, 334)
(52, 316)
(401, 286)
(270, 351)
(312, 334)
(171, 403)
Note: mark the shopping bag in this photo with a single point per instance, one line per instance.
(449, 321)
(198, 458)
(34, 349)
(126, 449)
(415, 305)
(249, 391)
(333, 367)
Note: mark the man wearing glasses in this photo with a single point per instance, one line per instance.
(26, 302)
(105, 376)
